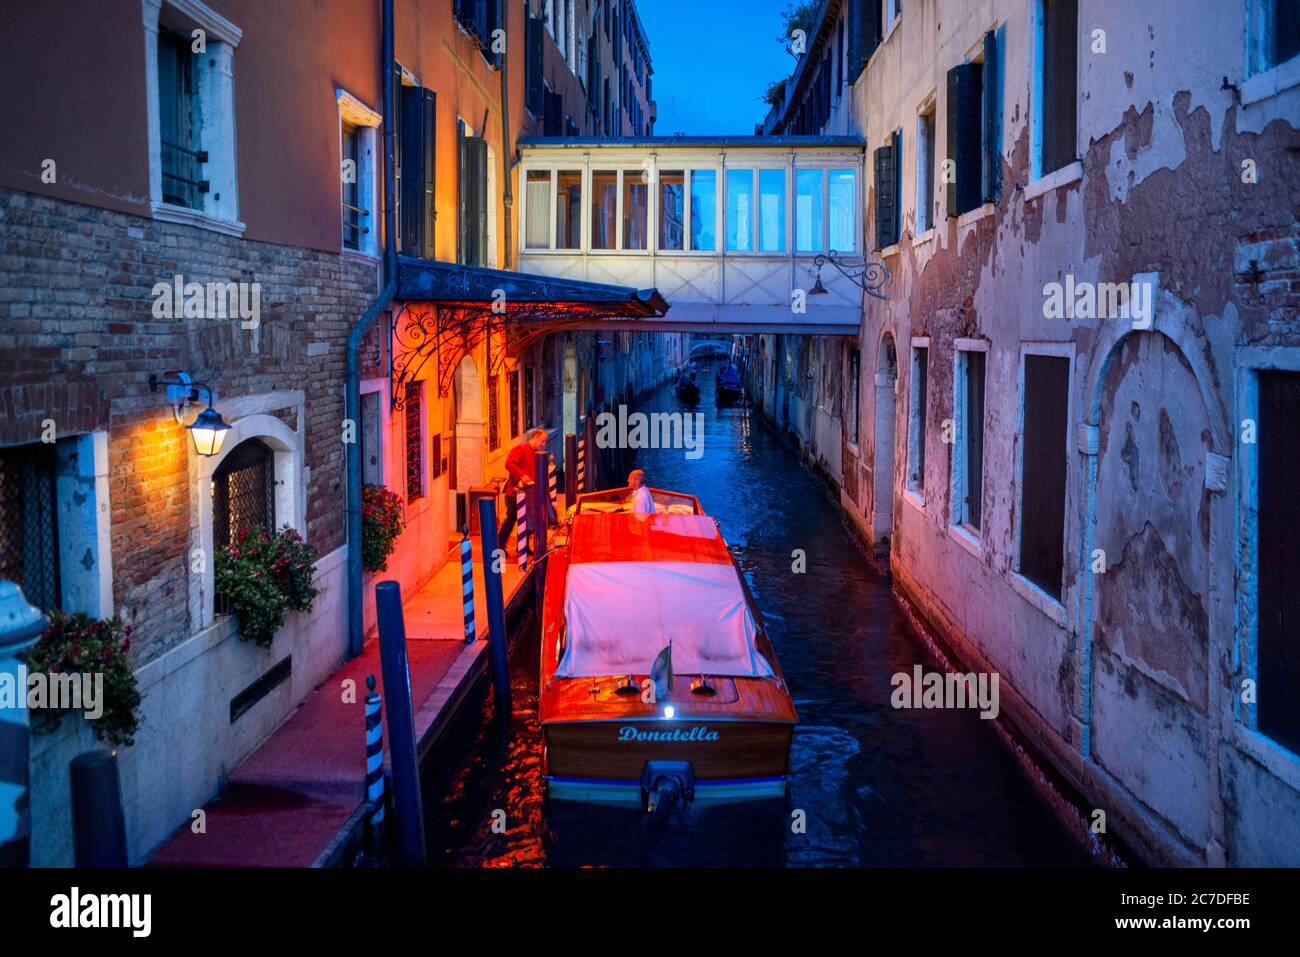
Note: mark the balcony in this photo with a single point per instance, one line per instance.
(726, 228)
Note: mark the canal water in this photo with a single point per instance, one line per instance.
(876, 786)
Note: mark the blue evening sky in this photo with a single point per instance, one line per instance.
(713, 59)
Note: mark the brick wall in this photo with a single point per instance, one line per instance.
(80, 341)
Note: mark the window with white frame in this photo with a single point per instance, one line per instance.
(917, 416)
(1045, 424)
(191, 113)
(925, 169)
(358, 135)
(1056, 85)
(968, 438)
(1274, 33)
(891, 10)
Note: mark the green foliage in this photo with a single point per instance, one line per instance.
(774, 95)
(797, 16)
(381, 523)
(78, 644)
(263, 576)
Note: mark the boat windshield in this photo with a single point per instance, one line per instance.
(620, 500)
(637, 583)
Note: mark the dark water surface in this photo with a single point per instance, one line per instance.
(878, 786)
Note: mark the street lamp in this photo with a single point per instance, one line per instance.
(209, 428)
(870, 276)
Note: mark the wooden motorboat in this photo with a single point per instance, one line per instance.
(620, 589)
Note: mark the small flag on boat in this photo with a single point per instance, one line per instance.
(661, 672)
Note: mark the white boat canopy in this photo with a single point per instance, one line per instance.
(638, 582)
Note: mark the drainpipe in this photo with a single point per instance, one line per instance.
(508, 198)
(353, 387)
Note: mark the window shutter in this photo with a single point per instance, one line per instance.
(412, 136)
(864, 35)
(533, 93)
(480, 150)
(1044, 458)
(886, 197)
(466, 190)
(396, 121)
(428, 154)
(964, 103)
(992, 184)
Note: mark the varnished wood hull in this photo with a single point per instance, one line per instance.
(598, 742)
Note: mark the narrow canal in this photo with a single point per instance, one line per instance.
(878, 786)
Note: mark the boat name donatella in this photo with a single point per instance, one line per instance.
(697, 733)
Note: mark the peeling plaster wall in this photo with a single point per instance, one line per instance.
(1128, 683)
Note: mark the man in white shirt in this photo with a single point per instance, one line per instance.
(642, 501)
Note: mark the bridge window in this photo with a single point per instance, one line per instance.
(704, 209)
(604, 209)
(636, 200)
(568, 209)
(672, 209)
(843, 209)
(771, 210)
(740, 210)
(808, 210)
(538, 201)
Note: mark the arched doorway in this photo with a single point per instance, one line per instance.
(883, 468)
(1150, 565)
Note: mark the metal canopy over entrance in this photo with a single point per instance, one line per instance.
(447, 309)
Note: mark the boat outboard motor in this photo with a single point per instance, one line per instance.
(665, 786)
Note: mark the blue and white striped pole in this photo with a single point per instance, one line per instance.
(552, 485)
(521, 527)
(375, 761)
(582, 457)
(467, 584)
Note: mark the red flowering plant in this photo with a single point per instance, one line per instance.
(262, 576)
(381, 523)
(77, 644)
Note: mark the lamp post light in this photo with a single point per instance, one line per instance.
(208, 429)
(869, 276)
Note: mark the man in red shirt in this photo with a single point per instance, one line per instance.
(520, 464)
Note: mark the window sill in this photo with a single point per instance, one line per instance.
(924, 239)
(975, 215)
(965, 537)
(914, 498)
(892, 250)
(1067, 174)
(1274, 757)
(167, 213)
(1271, 82)
(363, 258)
(1040, 599)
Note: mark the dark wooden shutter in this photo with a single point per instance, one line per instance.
(1043, 466)
(1060, 82)
(553, 118)
(922, 387)
(1278, 659)
(480, 149)
(533, 66)
(428, 166)
(886, 197)
(864, 35)
(964, 104)
(992, 182)
(975, 363)
(414, 114)
(467, 191)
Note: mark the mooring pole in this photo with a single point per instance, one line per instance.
(541, 520)
(496, 612)
(570, 470)
(374, 767)
(98, 820)
(407, 806)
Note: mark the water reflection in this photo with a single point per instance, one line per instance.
(871, 785)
